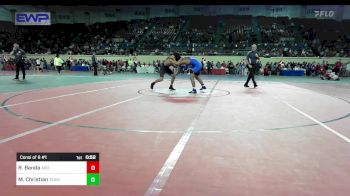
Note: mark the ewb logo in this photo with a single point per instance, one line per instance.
(33, 18)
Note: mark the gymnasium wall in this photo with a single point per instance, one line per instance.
(5, 15)
(102, 14)
(234, 59)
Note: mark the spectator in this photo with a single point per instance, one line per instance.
(347, 73)
(2, 61)
(209, 67)
(37, 65)
(218, 65)
(242, 68)
(231, 68)
(204, 63)
(130, 63)
(223, 65)
(266, 70)
(69, 63)
(58, 63)
(42, 66)
(337, 67)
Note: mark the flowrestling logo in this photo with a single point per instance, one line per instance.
(33, 18)
(324, 13)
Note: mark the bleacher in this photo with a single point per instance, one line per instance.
(164, 31)
(198, 34)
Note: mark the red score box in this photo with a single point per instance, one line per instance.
(93, 167)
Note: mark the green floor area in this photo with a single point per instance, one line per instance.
(39, 81)
(50, 80)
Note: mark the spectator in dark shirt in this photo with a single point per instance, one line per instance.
(68, 63)
(231, 68)
(337, 67)
(209, 67)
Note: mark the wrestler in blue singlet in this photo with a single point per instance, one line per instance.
(196, 66)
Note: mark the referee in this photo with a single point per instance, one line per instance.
(19, 60)
(94, 63)
(252, 60)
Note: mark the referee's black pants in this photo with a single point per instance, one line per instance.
(251, 76)
(95, 70)
(20, 65)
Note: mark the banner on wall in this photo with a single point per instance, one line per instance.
(33, 18)
(322, 12)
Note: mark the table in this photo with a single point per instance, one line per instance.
(57, 169)
(9, 67)
(146, 69)
(292, 73)
(216, 71)
(79, 68)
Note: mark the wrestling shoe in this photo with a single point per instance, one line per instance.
(171, 88)
(152, 85)
(203, 88)
(194, 91)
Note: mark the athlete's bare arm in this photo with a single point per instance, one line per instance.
(183, 61)
(169, 61)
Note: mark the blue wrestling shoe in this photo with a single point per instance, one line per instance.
(203, 88)
(194, 91)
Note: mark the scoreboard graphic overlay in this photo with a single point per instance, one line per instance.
(58, 169)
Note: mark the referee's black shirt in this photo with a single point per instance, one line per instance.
(93, 60)
(253, 56)
(19, 55)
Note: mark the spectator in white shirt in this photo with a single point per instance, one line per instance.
(347, 73)
(37, 65)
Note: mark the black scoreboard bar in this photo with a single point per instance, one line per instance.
(33, 156)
